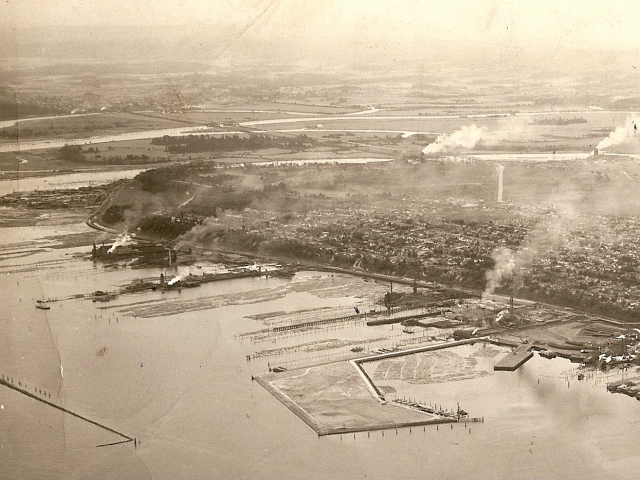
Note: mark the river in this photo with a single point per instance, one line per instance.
(319, 161)
(26, 145)
(294, 117)
(83, 179)
(11, 123)
(181, 384)
(362, 116)
(70, 180)
(522, 157)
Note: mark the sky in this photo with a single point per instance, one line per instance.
(210, 29)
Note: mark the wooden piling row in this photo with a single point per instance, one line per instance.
(51, 404)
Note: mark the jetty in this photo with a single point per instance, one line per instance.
(7, 383)
(514, 360)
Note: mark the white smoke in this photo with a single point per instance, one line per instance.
(550, 234)
(466, 137)
(174, 280)
(508, 264)
(622, 134)
(120, 240)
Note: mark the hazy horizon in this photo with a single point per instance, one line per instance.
(328, 34)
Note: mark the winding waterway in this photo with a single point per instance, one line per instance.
(26, 145)
(70, 180)
(83, 179)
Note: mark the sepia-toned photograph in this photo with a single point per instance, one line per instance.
(319, 239)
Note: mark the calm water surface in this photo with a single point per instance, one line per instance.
(182, 385)
(72, 180)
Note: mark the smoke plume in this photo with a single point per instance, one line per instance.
(205, 234)
(508, 264)
(466, 137)
(622, 134)
(550, 234)
(120, 240)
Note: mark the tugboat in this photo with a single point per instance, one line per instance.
(42, 305)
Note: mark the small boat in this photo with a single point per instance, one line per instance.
(357, 349)
(581, 376)
(42, 305)
(279, 369)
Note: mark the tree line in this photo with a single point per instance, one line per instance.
(229, 143)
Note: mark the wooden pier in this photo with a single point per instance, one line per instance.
(513, 360)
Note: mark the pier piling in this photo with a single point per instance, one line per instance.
(35, 397)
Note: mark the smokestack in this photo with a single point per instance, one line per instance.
(162, 279)
(500, 169)
(511, 307)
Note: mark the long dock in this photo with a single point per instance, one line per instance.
(424, 348)
(513, 360)
(389, 321)
(327, 321)
(51, 404)
(314, 323)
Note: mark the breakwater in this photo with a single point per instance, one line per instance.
(7, 382)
